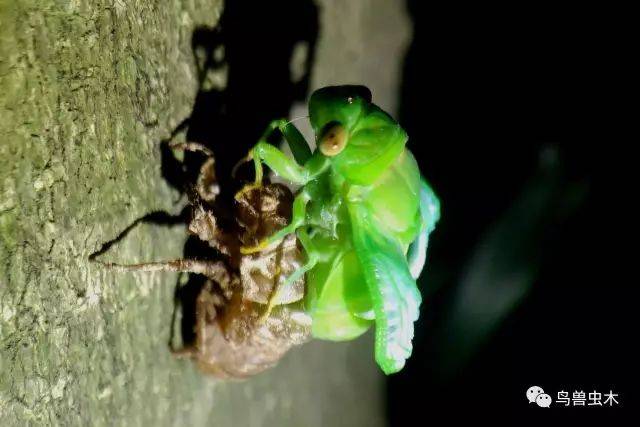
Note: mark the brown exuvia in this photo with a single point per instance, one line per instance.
(236, 335)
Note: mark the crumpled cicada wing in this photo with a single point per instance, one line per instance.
(394, 294)
(429, 215)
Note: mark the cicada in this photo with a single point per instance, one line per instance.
(363, 215)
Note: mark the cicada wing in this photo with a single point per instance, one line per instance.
(429, 215)
(394, 294)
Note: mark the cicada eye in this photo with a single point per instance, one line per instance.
(333, 140)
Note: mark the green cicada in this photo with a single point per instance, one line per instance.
(363, 215)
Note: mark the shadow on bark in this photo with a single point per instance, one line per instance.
(266, 73)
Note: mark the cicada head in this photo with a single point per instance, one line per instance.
(361, 139)
(337, 105)
(334, 112)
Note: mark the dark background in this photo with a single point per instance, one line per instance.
(513, 114)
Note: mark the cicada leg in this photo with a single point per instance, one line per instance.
(303, 169)
(193, 147)
(258, 175)
(297, 220)
(312, 259)
(207, 185)
(263, 151)
(206, 313)
(215, 270)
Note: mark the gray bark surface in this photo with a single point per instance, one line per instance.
(87, 91)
